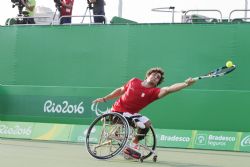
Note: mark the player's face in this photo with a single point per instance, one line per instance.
(154, 78)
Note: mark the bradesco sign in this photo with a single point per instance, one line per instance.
(173, 138)
(215, 140)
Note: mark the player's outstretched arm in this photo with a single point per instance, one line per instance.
(175, 87)
(116, 93)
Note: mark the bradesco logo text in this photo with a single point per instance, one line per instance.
(16, 130)
(64, 107)
(174, 138)
(214, 140)
(245, 141)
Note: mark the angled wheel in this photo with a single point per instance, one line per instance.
(107, 135)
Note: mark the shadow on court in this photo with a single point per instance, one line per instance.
(28, 153)
(165, 163)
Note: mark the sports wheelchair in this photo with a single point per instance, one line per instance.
(111, 133)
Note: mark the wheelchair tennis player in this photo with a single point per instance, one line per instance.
(137, 94)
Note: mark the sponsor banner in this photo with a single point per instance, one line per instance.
(79, 132)
(173, 138)
(21, 130)
(244, 142)
(215, 140)
(45, 131)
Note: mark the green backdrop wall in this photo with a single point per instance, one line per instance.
(52, 73)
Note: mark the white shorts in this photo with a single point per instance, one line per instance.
(140, 117)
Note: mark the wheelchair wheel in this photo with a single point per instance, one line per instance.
(107, 135)
(147, 145)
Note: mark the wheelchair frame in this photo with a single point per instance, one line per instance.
(109, 134)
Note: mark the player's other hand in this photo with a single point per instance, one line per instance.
(99, 100)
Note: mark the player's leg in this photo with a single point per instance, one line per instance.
(145, 139)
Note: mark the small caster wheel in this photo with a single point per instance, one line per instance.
(155, 158)
(141, 159)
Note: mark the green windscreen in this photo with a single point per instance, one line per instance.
(53, 73)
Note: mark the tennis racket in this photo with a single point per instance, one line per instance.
(217, 72)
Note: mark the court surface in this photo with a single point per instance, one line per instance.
(26, 153)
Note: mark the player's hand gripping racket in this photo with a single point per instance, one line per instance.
(229, 67)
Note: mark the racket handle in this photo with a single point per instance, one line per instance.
(196, 78)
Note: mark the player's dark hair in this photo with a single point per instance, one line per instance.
(156, 70)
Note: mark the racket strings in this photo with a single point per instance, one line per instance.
(222, 71)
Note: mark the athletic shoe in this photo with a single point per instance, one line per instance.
(132, 153)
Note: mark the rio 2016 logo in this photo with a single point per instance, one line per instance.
(65, 107)
(15, 130)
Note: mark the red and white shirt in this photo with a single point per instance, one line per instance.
(136, 97)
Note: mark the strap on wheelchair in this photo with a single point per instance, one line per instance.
(128, 115)
(135, 116)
